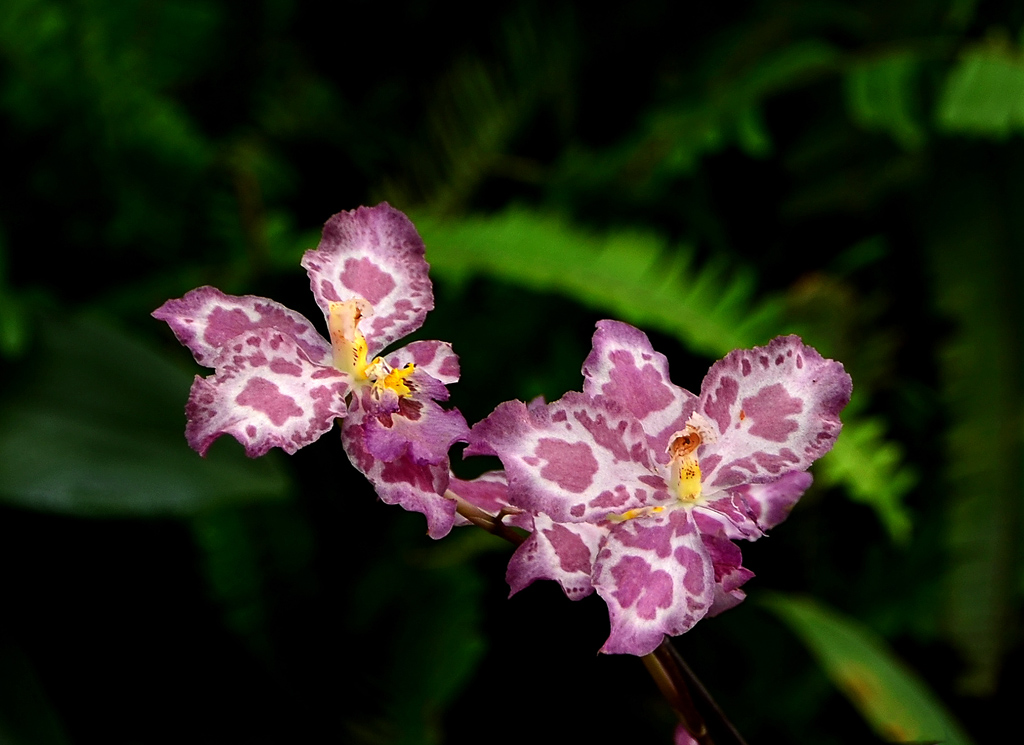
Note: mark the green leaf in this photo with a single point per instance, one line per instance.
(873, 472)
(93, 424)
(634, 275)
(984, 94)
(888, 694)
(976, 286)
(880, 96)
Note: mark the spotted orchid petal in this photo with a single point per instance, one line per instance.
(776, 409)
(771, 503)
(419, 430)
(206, 319)
(728, 513)
(624, 367)
(730, 575)
(564, 552)
(373, 254)
(657, 578)
(576, 460)
(417, 487)
(265, 393)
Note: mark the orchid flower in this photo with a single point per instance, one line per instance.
(279, 383)
(637, 487)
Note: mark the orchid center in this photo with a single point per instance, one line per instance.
(349, 347)
(684, 466)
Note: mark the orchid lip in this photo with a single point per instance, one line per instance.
(684, 467)
(350, 350)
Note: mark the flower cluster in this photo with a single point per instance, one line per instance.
(633, 487)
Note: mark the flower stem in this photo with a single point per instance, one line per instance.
(683, 679)
(481, 519)
(668, 675)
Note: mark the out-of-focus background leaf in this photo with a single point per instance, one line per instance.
(896, 703)
(848, 171)
(91, 427)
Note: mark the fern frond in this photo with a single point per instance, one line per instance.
(872, 470)
(632, 274)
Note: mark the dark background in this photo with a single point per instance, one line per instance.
(716, 175)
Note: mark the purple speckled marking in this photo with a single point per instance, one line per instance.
(610, 499)
(603, 434)
(641, 390)
(401, 471)
(785, 459)
(636, 584)
(769, 410)
(718, 403)
(223, 325)
(450, 367)
(647, 537)
(367, 280)
(284, 367)
(264, 396)
(571, 465)
(328, 291)
(424, 354)
(693, 580)
(573, 554)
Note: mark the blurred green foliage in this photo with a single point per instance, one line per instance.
(892, 698)
(849, 171)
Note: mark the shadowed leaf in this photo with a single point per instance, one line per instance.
(95, 426)
(890, 696)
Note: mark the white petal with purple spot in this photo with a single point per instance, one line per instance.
(776, 409)
(577, 459)
(265, 393)
(373, 253)
(563, 552)
(206, 319)
(435, 358)
(657, 578)
(624, 367)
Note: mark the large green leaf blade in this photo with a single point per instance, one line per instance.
(95, 427)
(888, 694)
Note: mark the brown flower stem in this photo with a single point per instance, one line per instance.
(723, 730)
(481, 519)
(668, 675)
